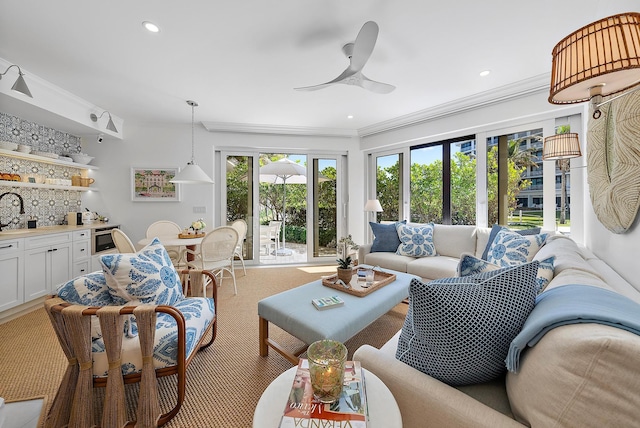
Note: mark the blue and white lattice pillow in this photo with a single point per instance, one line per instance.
(415, 241)
(512, 249)
(147, 276)
(471, 265)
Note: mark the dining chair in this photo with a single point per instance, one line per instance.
(165, 228)
(269, 237)
(216, 253)
(122, 241)
(241, 227)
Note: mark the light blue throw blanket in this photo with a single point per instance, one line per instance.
(572, 304)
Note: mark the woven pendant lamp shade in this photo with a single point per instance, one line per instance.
(602, 58)
(561, 146)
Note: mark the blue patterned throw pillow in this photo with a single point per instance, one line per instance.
(416, 241)
(471, 265)
(385, 237)
(147, 276)
(88, 290)
(458, 330)
(511, 249)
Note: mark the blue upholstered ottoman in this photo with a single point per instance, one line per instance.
(293, 312)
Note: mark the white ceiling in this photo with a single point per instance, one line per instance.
(240, 60)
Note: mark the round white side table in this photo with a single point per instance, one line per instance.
(383, 409)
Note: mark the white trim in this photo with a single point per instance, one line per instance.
(277, 129)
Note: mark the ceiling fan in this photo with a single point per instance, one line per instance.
(358, 54)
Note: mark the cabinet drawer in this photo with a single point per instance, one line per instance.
(81, 250)
(44, 240)
(11, 246)
(80, 235)
(80, 268)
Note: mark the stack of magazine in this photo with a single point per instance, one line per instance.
(302, 410)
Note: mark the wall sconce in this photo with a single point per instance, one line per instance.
(600, 59)
(20, 85)
(110, 125)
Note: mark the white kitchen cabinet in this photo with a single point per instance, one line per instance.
(12, 277)
(81, 252)
(47, 263)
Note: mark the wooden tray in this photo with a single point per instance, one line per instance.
(380, 279)
(187, 236)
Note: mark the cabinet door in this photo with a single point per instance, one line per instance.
(60, 266)
(11, 280)
(36, 278)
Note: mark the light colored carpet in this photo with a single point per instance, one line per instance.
(225, 381)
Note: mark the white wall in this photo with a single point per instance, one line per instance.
(153, 145)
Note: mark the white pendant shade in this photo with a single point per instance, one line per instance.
(191, 174)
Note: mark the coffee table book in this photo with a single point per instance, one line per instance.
(302, 410)
(323, 303)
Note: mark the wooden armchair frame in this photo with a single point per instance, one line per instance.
(73, 403)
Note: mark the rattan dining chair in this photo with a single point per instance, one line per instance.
(216, 253)
(162, 228)
(241, 227)
(122, 241)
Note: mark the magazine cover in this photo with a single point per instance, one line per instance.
(303, 411)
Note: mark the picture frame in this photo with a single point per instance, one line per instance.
(151, 184)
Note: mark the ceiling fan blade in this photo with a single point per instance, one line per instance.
(345, 75)
(377, 87)
(364, 44)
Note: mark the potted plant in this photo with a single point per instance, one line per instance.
(345, 272)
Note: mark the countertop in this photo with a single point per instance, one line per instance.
(6, 234)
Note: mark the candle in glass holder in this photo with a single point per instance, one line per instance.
(326, 367)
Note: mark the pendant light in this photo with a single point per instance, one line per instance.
(192, 173)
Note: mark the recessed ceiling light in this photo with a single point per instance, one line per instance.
(150, 26)
(485, 73)
(350, 116)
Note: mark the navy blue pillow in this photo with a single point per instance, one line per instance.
(497, 228)
(385, 237)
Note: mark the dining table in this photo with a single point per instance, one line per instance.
(174, 240)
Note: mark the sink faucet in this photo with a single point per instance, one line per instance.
(21, 205)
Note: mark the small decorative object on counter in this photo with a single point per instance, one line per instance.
(326, 367)
(31, 223)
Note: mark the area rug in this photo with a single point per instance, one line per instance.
(225, 381)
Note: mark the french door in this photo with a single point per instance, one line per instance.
(292, 218)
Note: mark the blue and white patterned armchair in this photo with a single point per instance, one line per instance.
(130, 323)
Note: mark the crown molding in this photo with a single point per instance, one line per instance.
(278, 129)
(483, 99)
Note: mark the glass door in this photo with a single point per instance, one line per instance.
(239, 197)
(323, 217)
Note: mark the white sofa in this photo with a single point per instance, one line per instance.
(580, 375)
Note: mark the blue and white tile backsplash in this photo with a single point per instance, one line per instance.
(47, 206)
(40, 138)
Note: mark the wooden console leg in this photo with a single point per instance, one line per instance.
(264, 336)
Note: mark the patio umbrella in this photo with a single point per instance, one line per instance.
(283, 171)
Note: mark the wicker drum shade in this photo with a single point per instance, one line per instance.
(561, 146)
(604, 55)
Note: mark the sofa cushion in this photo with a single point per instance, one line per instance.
(430, 268)
(147, 276)
(458, 330)
(471, 265)
(386, 260)
(453, 240)
(385, 237)
(415, 241)
(510, 248)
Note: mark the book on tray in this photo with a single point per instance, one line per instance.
(304, 411)
(327, 302)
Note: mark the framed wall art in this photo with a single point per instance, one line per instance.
(153, 185)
